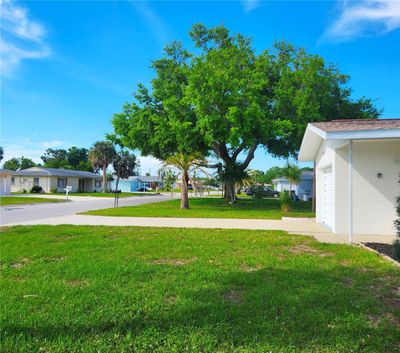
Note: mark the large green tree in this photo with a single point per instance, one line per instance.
(74, 158)
(19, 163)
(226, 99)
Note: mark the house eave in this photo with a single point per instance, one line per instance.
(313, 137)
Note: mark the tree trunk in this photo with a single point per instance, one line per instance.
(184, 191)
(104, 179)
(229, 191)
(116, 183)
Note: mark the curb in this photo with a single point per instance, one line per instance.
(361, 245)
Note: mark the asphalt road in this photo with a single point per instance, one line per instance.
(22, 213)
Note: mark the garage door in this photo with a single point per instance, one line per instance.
(328, 197)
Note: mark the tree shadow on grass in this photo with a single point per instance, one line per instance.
(273, 309)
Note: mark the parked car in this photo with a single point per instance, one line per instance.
(143, 189)
(266, 192)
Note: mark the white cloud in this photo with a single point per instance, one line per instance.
(28, 148)
(157, 25)
(51, 144)
(250, 5)
(363, 19)
(21, 37)
(149, 165)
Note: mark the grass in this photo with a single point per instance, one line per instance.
(210, 208)
(14, 200)
(126, 289)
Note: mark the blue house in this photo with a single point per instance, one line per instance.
(137, 183)
(303, 188)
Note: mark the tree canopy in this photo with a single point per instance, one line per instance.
(224, 99)
(19, 163)
(74, 158)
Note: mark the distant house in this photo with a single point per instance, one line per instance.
(304, 187)
(5, 182)
(357, 173)
(52, 179)
(137, 183)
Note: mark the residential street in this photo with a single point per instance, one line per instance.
(22, 213)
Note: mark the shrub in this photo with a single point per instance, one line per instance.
(36, 189)
(54, 190)
(24, 191)
(286, 201)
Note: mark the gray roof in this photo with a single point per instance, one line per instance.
(6, 171)
(40, 171)
(306, 175)
(358, 124)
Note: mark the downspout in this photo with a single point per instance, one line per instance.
(350, 191)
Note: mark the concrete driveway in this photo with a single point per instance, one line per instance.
(36, 213)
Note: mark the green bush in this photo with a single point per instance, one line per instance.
(286, 201)
(24, 191)
(54, 190)
(36, 189)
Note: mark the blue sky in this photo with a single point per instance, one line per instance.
(68, 66)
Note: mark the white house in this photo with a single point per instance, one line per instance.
(5, 182)
(357, 173)
(52, 179)
(303, 188)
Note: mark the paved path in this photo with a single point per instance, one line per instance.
(38, 213)
(65, 213)
(295, 226)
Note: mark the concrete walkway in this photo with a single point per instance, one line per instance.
(294, 226)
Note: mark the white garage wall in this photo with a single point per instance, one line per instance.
(373, 198)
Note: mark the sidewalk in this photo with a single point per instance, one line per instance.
(295, 226)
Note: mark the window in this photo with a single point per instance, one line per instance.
(61, 182)
(35, 181)
(97, 183)
(12, 180)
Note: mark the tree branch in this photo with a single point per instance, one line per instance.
(241, 147)
(250, 156)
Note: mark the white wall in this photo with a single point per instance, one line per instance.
(5, 184)
(26, 182)
(373, 198)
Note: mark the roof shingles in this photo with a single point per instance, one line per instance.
(358, 124)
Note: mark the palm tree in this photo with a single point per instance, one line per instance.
(168, 178)
(293, 174)
(185, 164)
(101, 155)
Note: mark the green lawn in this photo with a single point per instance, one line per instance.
(210, 208)
(126, 289)
(14, 200)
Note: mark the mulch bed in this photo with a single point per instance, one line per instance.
(386, 249)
